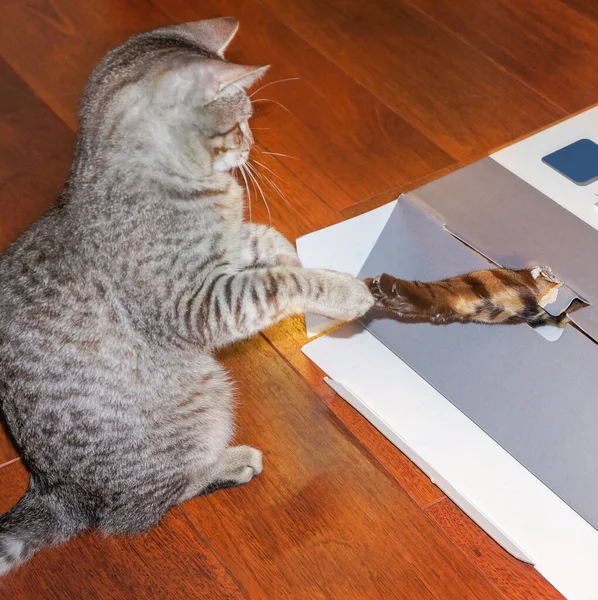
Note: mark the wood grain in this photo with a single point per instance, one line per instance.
(588, 8)
(324, 520)
(54, 44)
(287, 339)
(457, 97)
(172, 561)
(513, 578)
(546, 44)
(417, 485)
(35, 147)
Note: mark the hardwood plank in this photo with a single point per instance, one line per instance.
(454, 95)
(172, 561)
(35, 148)
(287, 339)
(54, 45)
(516, 580)
(349, 144)
(323, 520)
(412, 480)
(584, 7)
(287, 202)
(13, 483)
(546, 44)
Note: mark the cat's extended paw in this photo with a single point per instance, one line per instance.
(343, 298)
(383, 290)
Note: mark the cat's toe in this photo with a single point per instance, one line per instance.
(379, 288)
(373, 284)
(386, 284)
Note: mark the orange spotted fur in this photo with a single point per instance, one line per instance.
(491, 296)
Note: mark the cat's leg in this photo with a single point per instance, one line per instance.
(263, 246)
(238, 306)
(491, 296)
(237, 465)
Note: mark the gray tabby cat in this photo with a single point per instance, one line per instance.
(113, 303)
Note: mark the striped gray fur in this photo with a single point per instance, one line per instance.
(113, 303)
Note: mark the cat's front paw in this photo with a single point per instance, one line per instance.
(345, 298)
(383, 290)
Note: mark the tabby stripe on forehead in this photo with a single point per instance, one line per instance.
(227, 132)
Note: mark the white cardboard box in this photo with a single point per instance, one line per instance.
(495, 490)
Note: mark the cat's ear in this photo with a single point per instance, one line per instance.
(201, 80)
(242, 76)
(213, 34)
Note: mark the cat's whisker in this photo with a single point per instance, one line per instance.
(250, 170)
(257, 162)
(275, 102)
(272, 83)
(242, 170)
(279, 191)
(252, 182)
(266, 179)
(280, 154)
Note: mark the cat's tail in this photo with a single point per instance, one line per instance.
(38, 520)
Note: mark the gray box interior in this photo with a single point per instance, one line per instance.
(537, 399)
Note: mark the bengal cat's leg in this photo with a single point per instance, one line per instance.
(237, 465)
(489, 296)
(237, 306)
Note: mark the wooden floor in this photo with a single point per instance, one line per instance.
(391, 93)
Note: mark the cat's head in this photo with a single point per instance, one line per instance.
(169, 96)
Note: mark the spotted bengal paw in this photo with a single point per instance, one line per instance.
(383, 290)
